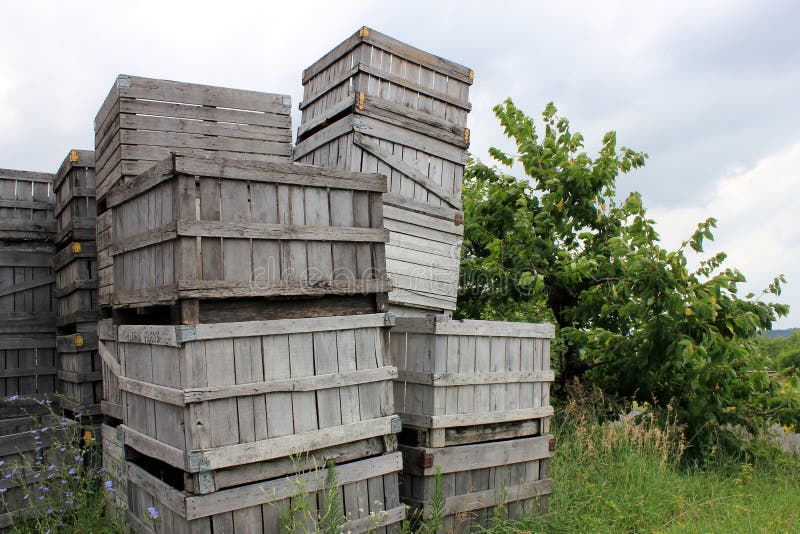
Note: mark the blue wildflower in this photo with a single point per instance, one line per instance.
(109, 486)
(152, 511)
(13, 397)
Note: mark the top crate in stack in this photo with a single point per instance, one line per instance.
(74, 189)
(375, 104)
(143, 120)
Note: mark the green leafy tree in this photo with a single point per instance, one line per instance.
(632, 317)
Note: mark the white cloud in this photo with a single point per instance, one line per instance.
(756, 210)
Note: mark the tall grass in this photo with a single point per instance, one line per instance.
(627, 475)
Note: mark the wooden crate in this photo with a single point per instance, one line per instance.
(21, 449)
(111, 403)
(75, 268)
(26, 205)
(366, 492)
(422, 209)
(417, 82)
(105, 265)
(467, 381)
(212, 396)
(27, 319)
(477, 479)
(143, 120)
(74, 188)
(79, 373)
(114, 463)
(265, 229)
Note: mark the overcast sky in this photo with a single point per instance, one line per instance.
(711, 90)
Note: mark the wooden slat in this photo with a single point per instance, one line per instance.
(475, 456)
(312, 383)
(201, 95)
(482, 418)
(285, 232)
(464, 379)
(393, 46)
(276, 490)
(413, 173)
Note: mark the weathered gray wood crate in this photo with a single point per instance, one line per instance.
(79, 373)
(479, 478)
(364, 492)
(210, 397)
(74, 189)
(261, 229)
(27, 319)
(105, 265)
(26, 205)
(468, 381)
(425, 230)
(374, 104)
(114, 463)
(417, 82)
(75, 268)
(142, 120)
(111, 400)
(21, 449)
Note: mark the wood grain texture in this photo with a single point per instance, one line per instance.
(142, 120)
(484, 379)
(251, 391)
(247, 248)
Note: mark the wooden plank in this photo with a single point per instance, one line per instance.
(475, 456)
(275, 490)
(313, 383)
(393, 46)
(132, 110)
(444, 326)
(364, 142)
(293, 444)
(483, 418)
(201, 95)
(246, 230)
(284, 326)
(280, 173)
(462, 379)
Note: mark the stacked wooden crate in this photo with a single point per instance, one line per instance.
(27, 300)
(473, 396)
(474, 400)
(248, 336)
(375, 104)
(27, 324)
(143, 121)
(75, 266)
(218, 403)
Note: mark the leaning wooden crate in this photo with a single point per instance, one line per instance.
(142, 120)
(76, 207)
(369, 62)
(422, 208)
(364, 493)
(468, 381)
(210, 397)
(478, 479)
(265, 229)
(27, 318)
(114, 464)
(75, 268)
(26, 206)
(105, 265)
(111, 403)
